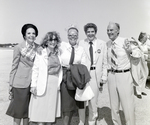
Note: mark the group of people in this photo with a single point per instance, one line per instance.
(44, 78)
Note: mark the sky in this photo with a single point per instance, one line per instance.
(57, 15)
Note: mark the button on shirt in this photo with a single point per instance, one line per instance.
(122, 56)
(80, 56)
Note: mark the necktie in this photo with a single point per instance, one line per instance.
(72, 56)
(91, 52)
(114, 62)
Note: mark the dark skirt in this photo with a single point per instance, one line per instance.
(18, 107)
(68, 102)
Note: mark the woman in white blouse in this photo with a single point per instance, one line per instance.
(46, 79)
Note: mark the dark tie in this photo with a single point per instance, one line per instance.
(72, 56)
(91, 52)
(114, 63)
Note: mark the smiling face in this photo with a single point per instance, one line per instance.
(112, 31)
(73, 36)
(30, 35)
(52, 42)
(90, 33)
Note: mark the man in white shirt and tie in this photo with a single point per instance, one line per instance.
(96, 51)
(120, 82)
(68, 102)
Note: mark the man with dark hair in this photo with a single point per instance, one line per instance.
(96, 52)
(120, 82)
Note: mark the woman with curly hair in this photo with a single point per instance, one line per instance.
(46, 78)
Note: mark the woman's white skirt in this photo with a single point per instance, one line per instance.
(46, 108)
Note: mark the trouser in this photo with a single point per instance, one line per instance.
(120, 87)
(142, 78)
(141, 85)
(92, 104)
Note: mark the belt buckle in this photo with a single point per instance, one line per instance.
(112, 70)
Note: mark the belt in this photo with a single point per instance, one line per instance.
(118, 71)
(92, 68)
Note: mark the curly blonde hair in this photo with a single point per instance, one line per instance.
(49, 36)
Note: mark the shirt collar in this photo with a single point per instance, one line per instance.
(27, 44)
(70, 47)
(115, 41)
(94, 41)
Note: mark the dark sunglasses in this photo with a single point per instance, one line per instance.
(53, 39)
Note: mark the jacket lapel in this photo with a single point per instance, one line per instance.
(98, 50)
(45, 55)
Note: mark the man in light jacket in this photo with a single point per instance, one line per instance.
(96, 52)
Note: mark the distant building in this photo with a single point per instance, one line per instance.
(8, 45)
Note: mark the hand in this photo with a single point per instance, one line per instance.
(127, 43)
(10, 93)
(10, 88)
(68, 67)
(39, 50)
(127, 46)
(101, 87)
(33, 91)
(103, 81)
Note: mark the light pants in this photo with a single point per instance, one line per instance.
(120, 86)
(92, 104)
(141, 85)
(143, 74)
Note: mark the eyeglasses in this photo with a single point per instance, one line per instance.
(53, 39)
(73, 36)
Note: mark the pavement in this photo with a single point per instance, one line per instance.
(142, 106)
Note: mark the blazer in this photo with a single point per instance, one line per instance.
(40, 72)
(80, 75)
(101, 59)
(20, 75)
